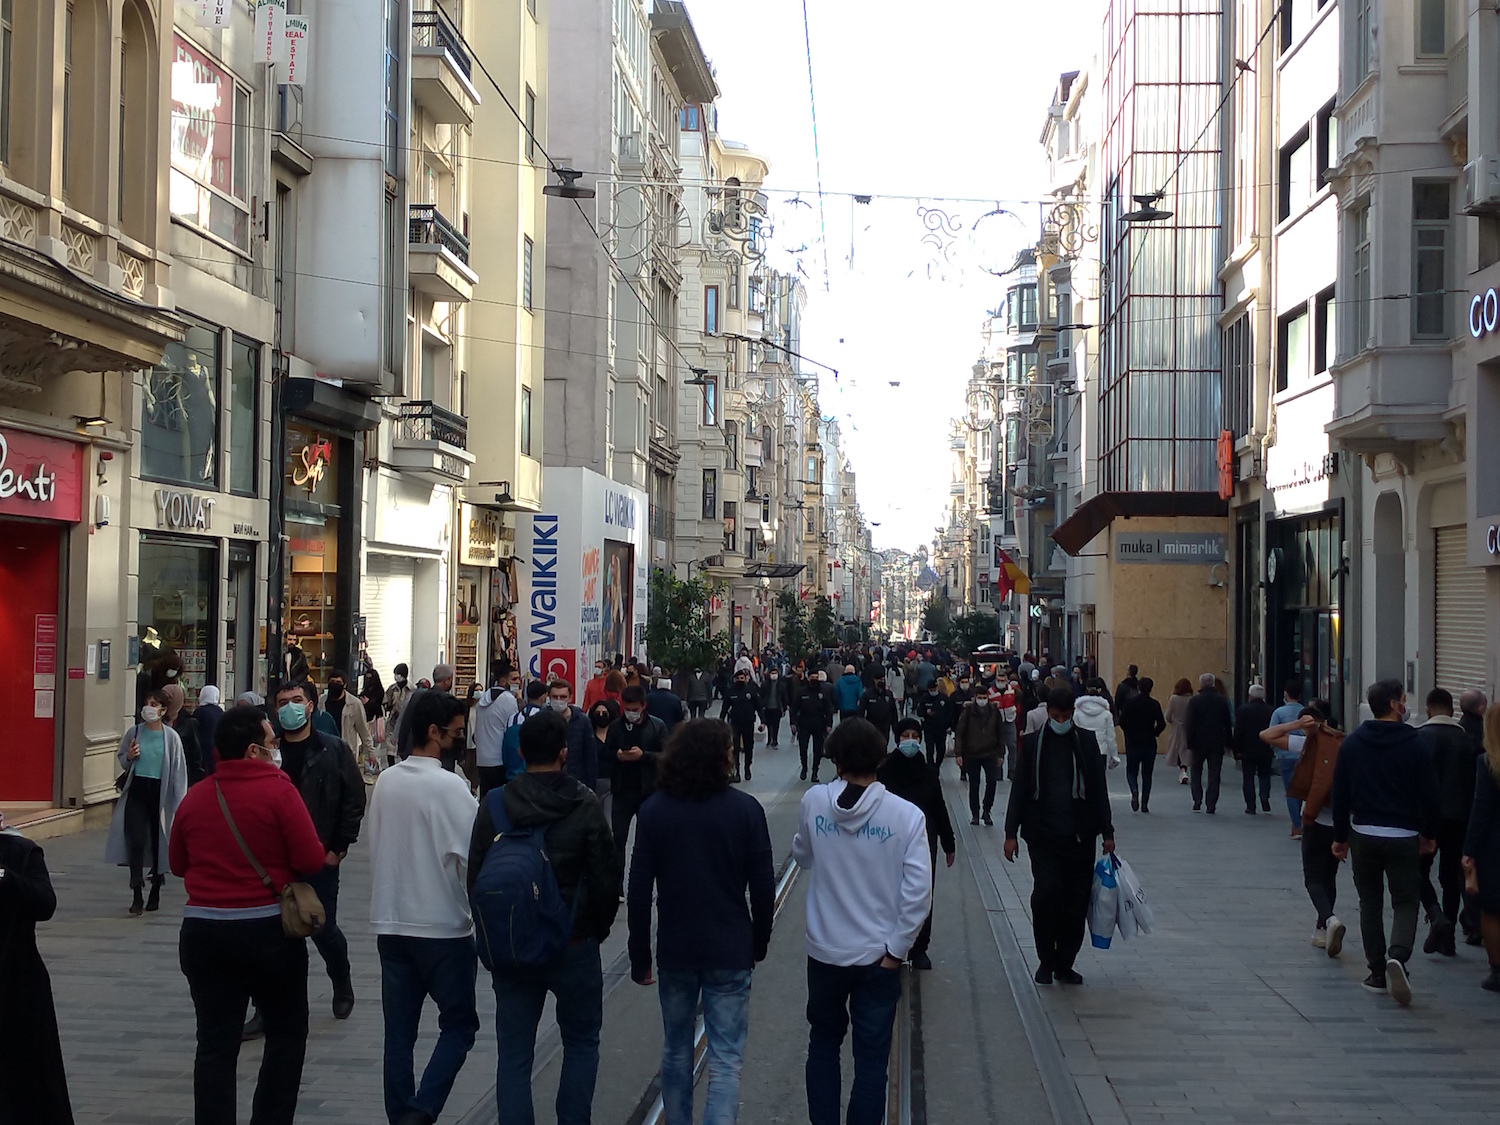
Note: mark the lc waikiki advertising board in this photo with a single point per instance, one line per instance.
(584, 563)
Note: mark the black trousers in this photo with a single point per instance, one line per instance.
(744, 743)
(936, 741)
(490, 777)
(990, 767)
(1214, 759)
(1320, 869)
(772, 719)
(1062, 875)
(623, 812)
(924, 935)
(697, 708)
(228, 964)
(1252, 770)
(1450, 847)
(805, 736)
(330, 939)
(143, 828)
(1140, 762)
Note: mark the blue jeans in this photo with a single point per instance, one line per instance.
(577, 980)
(726, 1020)
(837, 995)
(1286, 764)
(412, 969)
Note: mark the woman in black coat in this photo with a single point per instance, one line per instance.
(33, 1085)
(907, 774)
(1481, 858)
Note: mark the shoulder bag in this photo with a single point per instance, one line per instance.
(302, 915)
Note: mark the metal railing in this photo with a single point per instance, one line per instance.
(427, 421)
(433, 29)
(427, 227)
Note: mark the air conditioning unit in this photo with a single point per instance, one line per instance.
(1482, 185)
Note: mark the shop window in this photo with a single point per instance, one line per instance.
(176, 607)
(244, 396)
(210, 160)
(180, 411)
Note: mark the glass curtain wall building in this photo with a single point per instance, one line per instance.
(1160, 367)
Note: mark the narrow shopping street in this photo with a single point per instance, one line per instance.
(1224, 1014)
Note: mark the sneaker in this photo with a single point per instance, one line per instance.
(1043, 975)
(1320, 938)
(1296, 833)
(1491, 983)
(1068, 976)
(1183, 780)
(921, 961)
(989, 821)
(1400, 984)
(1336, 931)
(815, 777)
(1375, 982)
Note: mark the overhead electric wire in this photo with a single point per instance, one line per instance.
(812, 102)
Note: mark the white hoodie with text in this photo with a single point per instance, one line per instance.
(871, 871)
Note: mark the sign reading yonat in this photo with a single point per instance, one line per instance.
(1199, 548)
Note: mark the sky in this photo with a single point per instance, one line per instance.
(946, 99)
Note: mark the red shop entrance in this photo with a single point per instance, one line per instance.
(40, 482)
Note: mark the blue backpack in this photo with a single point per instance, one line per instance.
(520, 917)
(510, 744)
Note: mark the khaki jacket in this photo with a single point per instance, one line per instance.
(1312, 780)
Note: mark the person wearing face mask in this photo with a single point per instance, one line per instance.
(978, 740)
(396, 697)
(324, 771)
(583, 758)
(349, 716)
(741, 707)
(593, 691)
(231, 947)
(905, 774)
(774, 699)
(932, 709)
(152, 786)
(1059, 803)
(812, 719)
(878, 706)
(492, 714)
(178, 718)
(632, 745)
(600, 717)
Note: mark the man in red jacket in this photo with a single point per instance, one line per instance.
(232, 946)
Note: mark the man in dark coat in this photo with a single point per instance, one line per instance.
(812, 719)
(633, 743)
(906, 774)
(1059, 803)
(33, 1084)
(741, 709)
(1453, 759)
(932, 708)
(1254, 755)
(774, 696)
(878, 704)
(1209, 732)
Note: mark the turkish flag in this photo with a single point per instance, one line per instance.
(559, 664)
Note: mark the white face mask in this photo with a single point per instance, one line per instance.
(276, 756)
(558, 705)
(632, 717)
(150, 713)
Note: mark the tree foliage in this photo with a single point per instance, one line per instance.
(823, 623)
(964, 633)
(795, 639)
(678, 632)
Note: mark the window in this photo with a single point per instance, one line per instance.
(1430, 202)
(732, 288)
(1323, 332)
(177, 597)
(67, 108)
(1239, 376)
(1328, 144)
(1292, 358)
(1295, 177)
(609, 429)
(731, 530)
(180, 411)
(392, 291)
(1021, 308)
(7, 16)
(711, 309)
(244, 396)
(731, 445)
(711, 400)
(530, 104)
(531, 7)
(525, 421)
(1359, 43)
(394, 27)
(526, 249)
(1359, 281)
(710, 494)
(1432, 30)
(210, 147)
(690, 118)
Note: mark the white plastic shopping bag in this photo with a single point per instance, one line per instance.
(1133, 913)
(1103, 903)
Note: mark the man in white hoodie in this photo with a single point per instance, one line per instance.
(420, 823)
(870, 891)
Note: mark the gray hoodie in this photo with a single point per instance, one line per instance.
(492, 714)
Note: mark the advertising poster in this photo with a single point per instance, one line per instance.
(619, 573)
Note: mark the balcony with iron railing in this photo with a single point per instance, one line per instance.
(438, 256)
(441, 69)
(431, 442)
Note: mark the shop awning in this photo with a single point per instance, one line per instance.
(774, 570)
(320, 401)
(1098, 512)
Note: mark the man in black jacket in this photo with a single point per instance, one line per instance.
(1385, 811)
(324, 771)
(878, 704)
(633, 743)
(1059, 803)
(906, 774)
(812, 719)
(1254, 755)
(1209, 732)
(1141, 722)
(741, 708)
(581, 853)
(1453, 758)
(773, 703)
(933, 710)
(666, 704)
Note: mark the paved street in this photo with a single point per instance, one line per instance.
(1225, 1014)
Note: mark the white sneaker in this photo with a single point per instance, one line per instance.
(1320, 938)
(1335, 936)
(1397, 982)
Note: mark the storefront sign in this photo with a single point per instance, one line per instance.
(184, 511)
(40, 477)
(481, 537)
(1492, 539)
(1202, 548)
(1484, 314)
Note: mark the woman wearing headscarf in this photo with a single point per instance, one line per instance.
(207, 713)
(187, 730)
(151, 788)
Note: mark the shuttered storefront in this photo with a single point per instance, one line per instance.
(1458, 650)
(387, 606)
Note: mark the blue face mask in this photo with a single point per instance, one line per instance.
(292, 716)
(1060, 727)
(910, 747)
